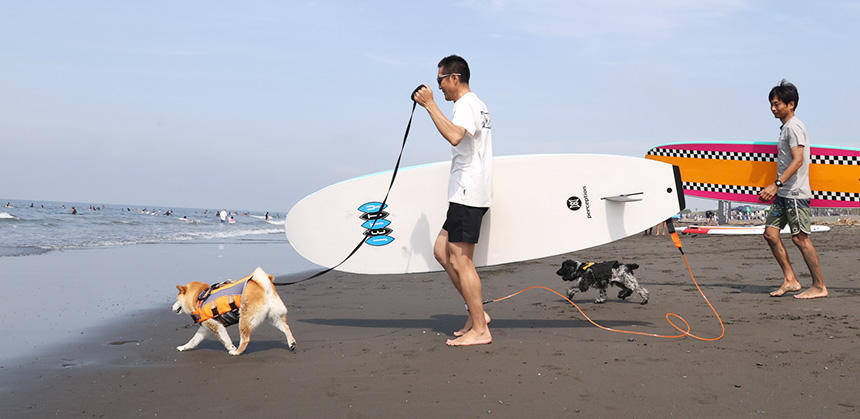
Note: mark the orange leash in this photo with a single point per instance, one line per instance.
(669, 316)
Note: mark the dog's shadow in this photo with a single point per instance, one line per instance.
(256, 345)
(445, 323)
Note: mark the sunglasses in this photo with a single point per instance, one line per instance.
(439, 79)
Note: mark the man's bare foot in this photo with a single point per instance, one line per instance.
(786, 287)
(468, 325)
(812, 292)
(471, 338)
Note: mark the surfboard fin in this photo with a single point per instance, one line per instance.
(627, 197)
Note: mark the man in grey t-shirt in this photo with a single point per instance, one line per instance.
(791, 194)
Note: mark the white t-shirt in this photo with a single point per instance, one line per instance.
(793, 134)
(471, 181)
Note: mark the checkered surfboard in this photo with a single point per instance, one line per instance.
(737, 171)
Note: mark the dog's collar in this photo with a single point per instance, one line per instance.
(204, 295)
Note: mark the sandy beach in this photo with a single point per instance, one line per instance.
(374, 346)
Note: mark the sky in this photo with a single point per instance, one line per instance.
(254, 105)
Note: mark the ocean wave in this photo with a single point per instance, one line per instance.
(180, 236)
(8, 251)
(226, 234)
(39, 229)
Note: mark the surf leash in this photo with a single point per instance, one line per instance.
(683, 331)
(381, 207)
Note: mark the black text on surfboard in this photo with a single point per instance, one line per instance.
(587, 202)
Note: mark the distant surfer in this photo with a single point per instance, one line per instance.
(791, 194)
(469, 189)
(267, 215)
(74, 211)
(223, 215)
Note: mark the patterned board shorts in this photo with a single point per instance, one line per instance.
(794, 212)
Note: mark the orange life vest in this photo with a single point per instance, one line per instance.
(220, 302)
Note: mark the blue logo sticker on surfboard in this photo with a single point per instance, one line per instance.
(379, 240)
(377, 226)
(372, 207)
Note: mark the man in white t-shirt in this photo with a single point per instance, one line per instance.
(470, 188)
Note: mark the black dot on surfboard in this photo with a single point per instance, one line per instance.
(669, 190)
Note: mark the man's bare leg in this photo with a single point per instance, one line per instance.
(810, 255)
(460, 255)
(440, 251)
(789, 280)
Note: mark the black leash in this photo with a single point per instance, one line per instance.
(361, 242)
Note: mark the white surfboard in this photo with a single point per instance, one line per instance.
(543, 205)
(741, 230)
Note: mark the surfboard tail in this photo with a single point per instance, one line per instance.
(679, 188)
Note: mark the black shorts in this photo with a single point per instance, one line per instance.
(463, 223)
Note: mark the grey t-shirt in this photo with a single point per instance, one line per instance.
(793, 134)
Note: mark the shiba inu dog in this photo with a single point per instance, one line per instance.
(248, 301)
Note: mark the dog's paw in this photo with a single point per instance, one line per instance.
(233, 352)
(181, 348)
(599, 300)
(644, 302)
(570, 293)
(292, 347)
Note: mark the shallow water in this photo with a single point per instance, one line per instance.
(46, 226)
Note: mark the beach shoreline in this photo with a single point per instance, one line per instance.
(373, 345)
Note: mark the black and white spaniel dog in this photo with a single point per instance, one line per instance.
(601, 276)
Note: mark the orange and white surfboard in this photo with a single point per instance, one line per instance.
(737, 171)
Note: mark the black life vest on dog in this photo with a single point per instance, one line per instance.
(597, 274)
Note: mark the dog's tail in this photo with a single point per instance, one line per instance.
(263, 279)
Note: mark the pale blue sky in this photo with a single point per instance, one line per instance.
(254, 105)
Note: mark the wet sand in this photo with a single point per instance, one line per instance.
(374, 346)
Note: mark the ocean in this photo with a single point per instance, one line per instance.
(36, 227)
(68, 274)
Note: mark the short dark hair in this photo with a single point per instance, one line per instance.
(455, 64)
(785, 92)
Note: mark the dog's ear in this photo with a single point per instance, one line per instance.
(181, 289)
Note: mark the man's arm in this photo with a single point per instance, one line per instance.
(770, 191)
(452, 133)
